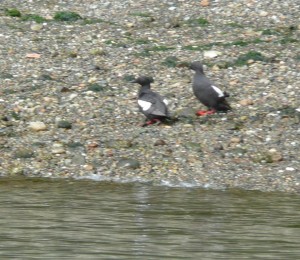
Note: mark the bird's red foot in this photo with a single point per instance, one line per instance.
(205, 112)
(152, 122)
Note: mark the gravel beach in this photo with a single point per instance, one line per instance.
(68, 109)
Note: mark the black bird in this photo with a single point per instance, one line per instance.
(207, 93)
(151, 104)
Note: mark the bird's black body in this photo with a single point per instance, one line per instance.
(208, 94)
(151, 104)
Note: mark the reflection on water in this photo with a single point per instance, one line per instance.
(51, 219)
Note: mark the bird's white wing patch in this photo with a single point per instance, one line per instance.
(145, 105)
(219, 91)
(166, 101)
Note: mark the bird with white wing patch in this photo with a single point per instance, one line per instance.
(150, 103)
(208, 94)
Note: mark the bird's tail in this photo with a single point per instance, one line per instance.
(223, 106)
(226, 94)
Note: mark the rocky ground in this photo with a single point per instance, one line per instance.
(68, 109)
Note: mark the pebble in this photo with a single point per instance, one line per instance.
(78, 159)
(24, 153)
(36, 27)
(205, 3)
(128, 163)
(263, 13)
(58, 148)
(211, 54)
(159, 142)
(64, 124)
(235, 140)
(275, 155)
(290, 169)
(246, 102)
(37, 126)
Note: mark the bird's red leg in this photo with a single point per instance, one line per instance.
(152, 122)
(205, 112)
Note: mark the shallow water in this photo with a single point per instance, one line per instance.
(59, 219)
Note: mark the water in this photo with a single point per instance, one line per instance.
(51, 219)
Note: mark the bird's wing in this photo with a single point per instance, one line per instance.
(152, 103)
(218, 91)
(144, 105)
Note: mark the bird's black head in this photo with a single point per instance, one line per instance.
(143, 80)
(197, 66)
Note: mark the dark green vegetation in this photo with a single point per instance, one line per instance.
(27, 17)
(173, 61)
(160, 48)
(244, 59)
(198, 22)
(140, 14)
(92, 21)
(13, 12)
(235, 25)
(66, 16)
(224, 44)
(170, 62)
(95, 87)
(142, 41)
(61, 16)
(33, 17)
(269, 32)
(129, 78)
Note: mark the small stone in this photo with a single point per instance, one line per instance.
(246, 102)
(264, 81)
(275, 156)
(128, 163)
(64, 89)
(88, 167)
(36, 27)
(205, 3)
(58, 148)
(233, 82)
(93, 145)
(78, 159)
(130, 25)
(263, 13)
(218, 147)
(72, 96)
(160, 142)
(244, 118)
(215, 68)
(24, 153)
(37, 126)
(211, 54)
(18, 170)
(290, 169)
(194, 146)
(235, 140)
(33, 55)
(64, 124)
(92, 80)
(188, 125)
